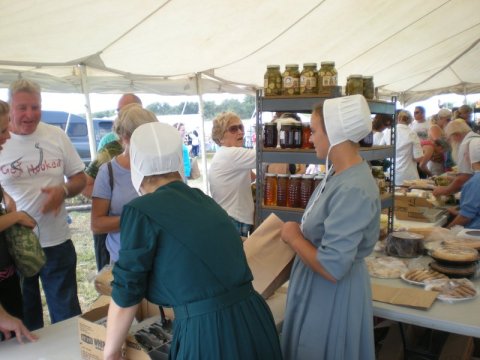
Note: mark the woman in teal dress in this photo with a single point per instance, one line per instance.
(329, 306)
(180, 249)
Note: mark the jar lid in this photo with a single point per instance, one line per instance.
(291, 65)
(283, 175)
(273, 66)
(369, 77)
(296, 176)
(308, 176)
(270, 174)
(356, 76)
(332, 63)
(319, 176)
(309, 64)
(305, 124)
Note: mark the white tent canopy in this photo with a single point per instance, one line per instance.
(414, 49)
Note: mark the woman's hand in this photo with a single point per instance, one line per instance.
(25, 219)
(291, 232)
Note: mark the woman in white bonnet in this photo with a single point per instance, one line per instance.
(180, 249)
(329, 306)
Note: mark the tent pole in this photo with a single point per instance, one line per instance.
(91, 135)
(198, 78)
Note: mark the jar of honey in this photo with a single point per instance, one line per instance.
(282, 189)
(293, 194)
(270, 190)
(306, 133)
(306, 189)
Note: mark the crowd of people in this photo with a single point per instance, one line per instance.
(144, 214)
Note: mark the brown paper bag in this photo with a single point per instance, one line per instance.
(269, 258)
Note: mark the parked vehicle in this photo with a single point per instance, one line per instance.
(76, 129)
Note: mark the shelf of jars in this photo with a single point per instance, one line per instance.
(308, 156)
(305, 103)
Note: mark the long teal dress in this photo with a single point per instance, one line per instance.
(335, 321)
(180, 249)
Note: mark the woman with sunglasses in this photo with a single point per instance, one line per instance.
(230, 174)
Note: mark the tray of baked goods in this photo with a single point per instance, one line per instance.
(452, 290)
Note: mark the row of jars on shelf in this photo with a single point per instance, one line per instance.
(289, 190)
(294, 82)
(293, 135)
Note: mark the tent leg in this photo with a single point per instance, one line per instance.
(198, 78)
(88, 111)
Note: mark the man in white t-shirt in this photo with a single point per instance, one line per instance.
(420, 125)
(40, 168)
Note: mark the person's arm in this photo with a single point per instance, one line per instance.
(427, 155)
(454, 187)
(10, 204)
(87, 190)
(101, 222)
(15, 217)
(118, 323)
(56, 195)
(9, 323)
(459, 220)
(435, 132)
(292, 235)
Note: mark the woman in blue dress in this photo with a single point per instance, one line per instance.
(329, 305)
(180, 249)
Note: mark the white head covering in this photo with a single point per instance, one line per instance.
(155, 149)
(474, 150)
(347, 118)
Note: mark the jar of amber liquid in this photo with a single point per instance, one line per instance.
(270, 190)
(293, 194)
(282, 189)
(270, 135)
(306, 190)
(306, 133)
(291, 80)
(309, 79)
(272, 81)
(317, 179)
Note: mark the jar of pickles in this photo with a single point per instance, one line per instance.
(354, 85)
(293, 194)
(327, 76)
(270, 190)
(309, 79)
(306, 189)
(272, 81)
(282, 189)
(368, 88)
(291, 80)
(270, 135)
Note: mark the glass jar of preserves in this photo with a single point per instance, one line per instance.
(309, 79)
(368, 88)
(290, 134)
(282, 189)
(306, 190)
(272, 81)
(306, 133)
(327, 76)
(297, 135)
(270, 135)
(270, 190)
(291, 80)
(317, 180)
(355, 85)
(293, 194)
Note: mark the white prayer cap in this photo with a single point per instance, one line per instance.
(155, 149)
(347, 118)
(474, 150)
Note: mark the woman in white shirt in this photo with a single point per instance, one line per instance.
(230, 175)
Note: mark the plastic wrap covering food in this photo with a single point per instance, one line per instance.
(404, 244)
(452, 290)
(386, 267)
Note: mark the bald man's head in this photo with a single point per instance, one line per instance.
(128, 99)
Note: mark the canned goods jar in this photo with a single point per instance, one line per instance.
(282, 189)
(355, 85)
(306, 190)
(327, 76)
(290, 135)
(306, 133)
(297, 136)
(270, 190)
(368, 88)
(309, 79)
(270, 135)
(317, 180)
(293, 194)
(291, 80)
(272, 81)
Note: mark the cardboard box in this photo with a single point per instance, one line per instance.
(421, 214)
(92, 332)
(404, 201)
(415, 298)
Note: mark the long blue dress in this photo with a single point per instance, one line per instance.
(180, 249)
(335, 321)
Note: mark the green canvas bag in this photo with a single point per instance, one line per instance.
(25, 249)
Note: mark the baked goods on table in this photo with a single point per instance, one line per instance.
(385, 267)
(404, 244)
(455, 271)
(453, 253)
(452, 289)
(419, 276)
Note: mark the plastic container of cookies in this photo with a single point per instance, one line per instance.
(452, 290)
